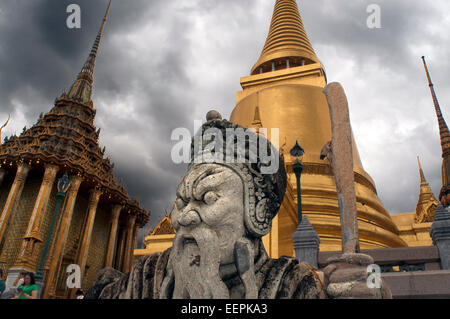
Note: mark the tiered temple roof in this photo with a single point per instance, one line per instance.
(66, 136)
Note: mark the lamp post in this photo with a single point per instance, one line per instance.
(63, 186)
(297, 153)
(305, 239)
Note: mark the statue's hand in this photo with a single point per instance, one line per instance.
(346, 277)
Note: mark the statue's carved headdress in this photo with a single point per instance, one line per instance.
(263, 189)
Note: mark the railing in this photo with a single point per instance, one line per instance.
(409, 272)
(404, 259)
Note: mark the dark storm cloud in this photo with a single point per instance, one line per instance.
(41, 53)
(391, 108)
(163, 64)
(405, 26)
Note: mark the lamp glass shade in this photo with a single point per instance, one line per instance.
(64, 183)
(297, 153)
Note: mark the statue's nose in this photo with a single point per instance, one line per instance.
(190, 218)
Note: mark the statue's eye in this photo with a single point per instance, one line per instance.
(180, 203)
(210, 198)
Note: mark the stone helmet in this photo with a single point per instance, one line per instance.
(264, 189)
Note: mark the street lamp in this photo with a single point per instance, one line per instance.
(305, 239)
(297, 153)
(63, 185)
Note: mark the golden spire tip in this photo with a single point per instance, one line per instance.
(422, 175)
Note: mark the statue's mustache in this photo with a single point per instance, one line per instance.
(194, 264)
(201, 235)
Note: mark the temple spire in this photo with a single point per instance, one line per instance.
(444, 195)
(287, 43)
(422, 176)
(81, 89)
(426, 203)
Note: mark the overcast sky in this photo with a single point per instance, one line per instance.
(163, 64)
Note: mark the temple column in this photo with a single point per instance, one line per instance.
(2, 175)
(113, 235)
(120, 249)
(61, 237)
(133, 247)
(13, 199)
(129, 243)
(83, 252)
(87, 235)
(27, 256)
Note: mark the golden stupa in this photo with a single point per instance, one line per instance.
(284, 91)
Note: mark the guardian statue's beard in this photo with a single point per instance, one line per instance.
(193, 267)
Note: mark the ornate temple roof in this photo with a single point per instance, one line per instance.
(427, 203)
(287, 38)
(164, 227)
(66, 136)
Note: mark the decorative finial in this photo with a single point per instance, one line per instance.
(430, 83)
(213, 115)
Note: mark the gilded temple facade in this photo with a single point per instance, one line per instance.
(60, 204)
(284, 90)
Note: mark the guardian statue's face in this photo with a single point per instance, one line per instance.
(222, 211)
(210, 199)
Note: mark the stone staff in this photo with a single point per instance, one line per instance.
(340, 154)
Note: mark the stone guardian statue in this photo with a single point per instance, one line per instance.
(223, 209)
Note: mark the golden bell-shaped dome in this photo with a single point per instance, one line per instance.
(284, 93)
